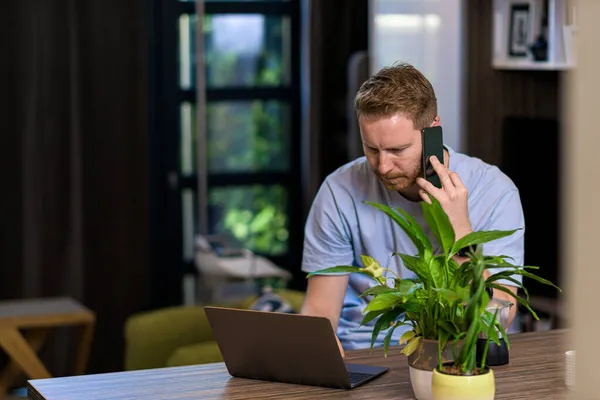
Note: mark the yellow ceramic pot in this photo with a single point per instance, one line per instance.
(454, 387)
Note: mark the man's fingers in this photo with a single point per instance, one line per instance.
(429, 188)
(424, 196)
(458, 183)
(442, 172)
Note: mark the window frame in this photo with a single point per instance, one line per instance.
(166, 97)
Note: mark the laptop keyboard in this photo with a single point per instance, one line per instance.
(357, 377)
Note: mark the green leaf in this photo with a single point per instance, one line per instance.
(485, 299)
(463, 274)
(451, 330)
(415, 264)
(339, 269)
(521, 301)
(420, 233)
(439, 224)
(507, 275)
(386, 320)
(388, 336)
(539, 279)
(413, 231)
(528, 267)
(411, 346)
(462, 292)
(375, 290)
(464, 356)
(406, 336)
(498, 261)
(517, 284)
(371, 315)
(448, 295)
(489, 321)
(406, 287)
(438, 275)
(412, 305)
(383, 301)
(387, 339)
(451, 270)
(491, 334)
(502, 275)
(480, 237)
(503, 332)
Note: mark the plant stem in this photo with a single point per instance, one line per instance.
(395, 274)
(487, 341)
(440, 364)
(484, 356)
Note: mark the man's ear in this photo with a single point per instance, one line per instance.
(436, 121)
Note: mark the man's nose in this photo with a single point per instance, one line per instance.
(385, 164)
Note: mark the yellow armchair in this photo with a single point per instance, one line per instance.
(177, 336)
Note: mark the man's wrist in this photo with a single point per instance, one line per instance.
(460, 233)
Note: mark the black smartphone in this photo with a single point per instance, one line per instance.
(433, 145)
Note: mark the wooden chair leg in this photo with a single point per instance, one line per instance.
(20, 351)
(83, 347)
(12, 371)
(9, 374)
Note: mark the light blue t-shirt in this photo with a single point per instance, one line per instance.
(340, 227)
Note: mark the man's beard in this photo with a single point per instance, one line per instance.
(401, 183)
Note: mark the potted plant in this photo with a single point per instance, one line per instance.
(434, 304)
(464, 377)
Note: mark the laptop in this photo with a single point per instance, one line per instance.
(279, 347)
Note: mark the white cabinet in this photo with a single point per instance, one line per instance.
(518, 24)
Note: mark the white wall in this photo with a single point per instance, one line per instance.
(427, 34)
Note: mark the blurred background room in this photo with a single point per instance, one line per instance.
(158, 155)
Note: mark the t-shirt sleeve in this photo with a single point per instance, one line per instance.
(507, 215)
(327, 238)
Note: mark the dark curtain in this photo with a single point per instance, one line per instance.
(337, 29)
(74, 204)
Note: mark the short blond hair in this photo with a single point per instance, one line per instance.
(399, 89)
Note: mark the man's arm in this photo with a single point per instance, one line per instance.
(507, 215)
(326, 244)
(324, 298)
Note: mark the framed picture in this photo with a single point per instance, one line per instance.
(519, 32)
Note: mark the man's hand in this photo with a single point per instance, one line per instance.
(453, 197)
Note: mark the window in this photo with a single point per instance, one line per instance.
(251, 124)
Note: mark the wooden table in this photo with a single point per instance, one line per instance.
(535, 371)
(24, 325)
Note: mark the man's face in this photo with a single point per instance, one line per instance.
(393, 148)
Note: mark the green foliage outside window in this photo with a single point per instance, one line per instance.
(254, 216)
(249, 136)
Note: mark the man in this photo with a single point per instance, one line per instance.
(392, 107)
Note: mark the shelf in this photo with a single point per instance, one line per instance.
(525, 65)
(549, 19)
